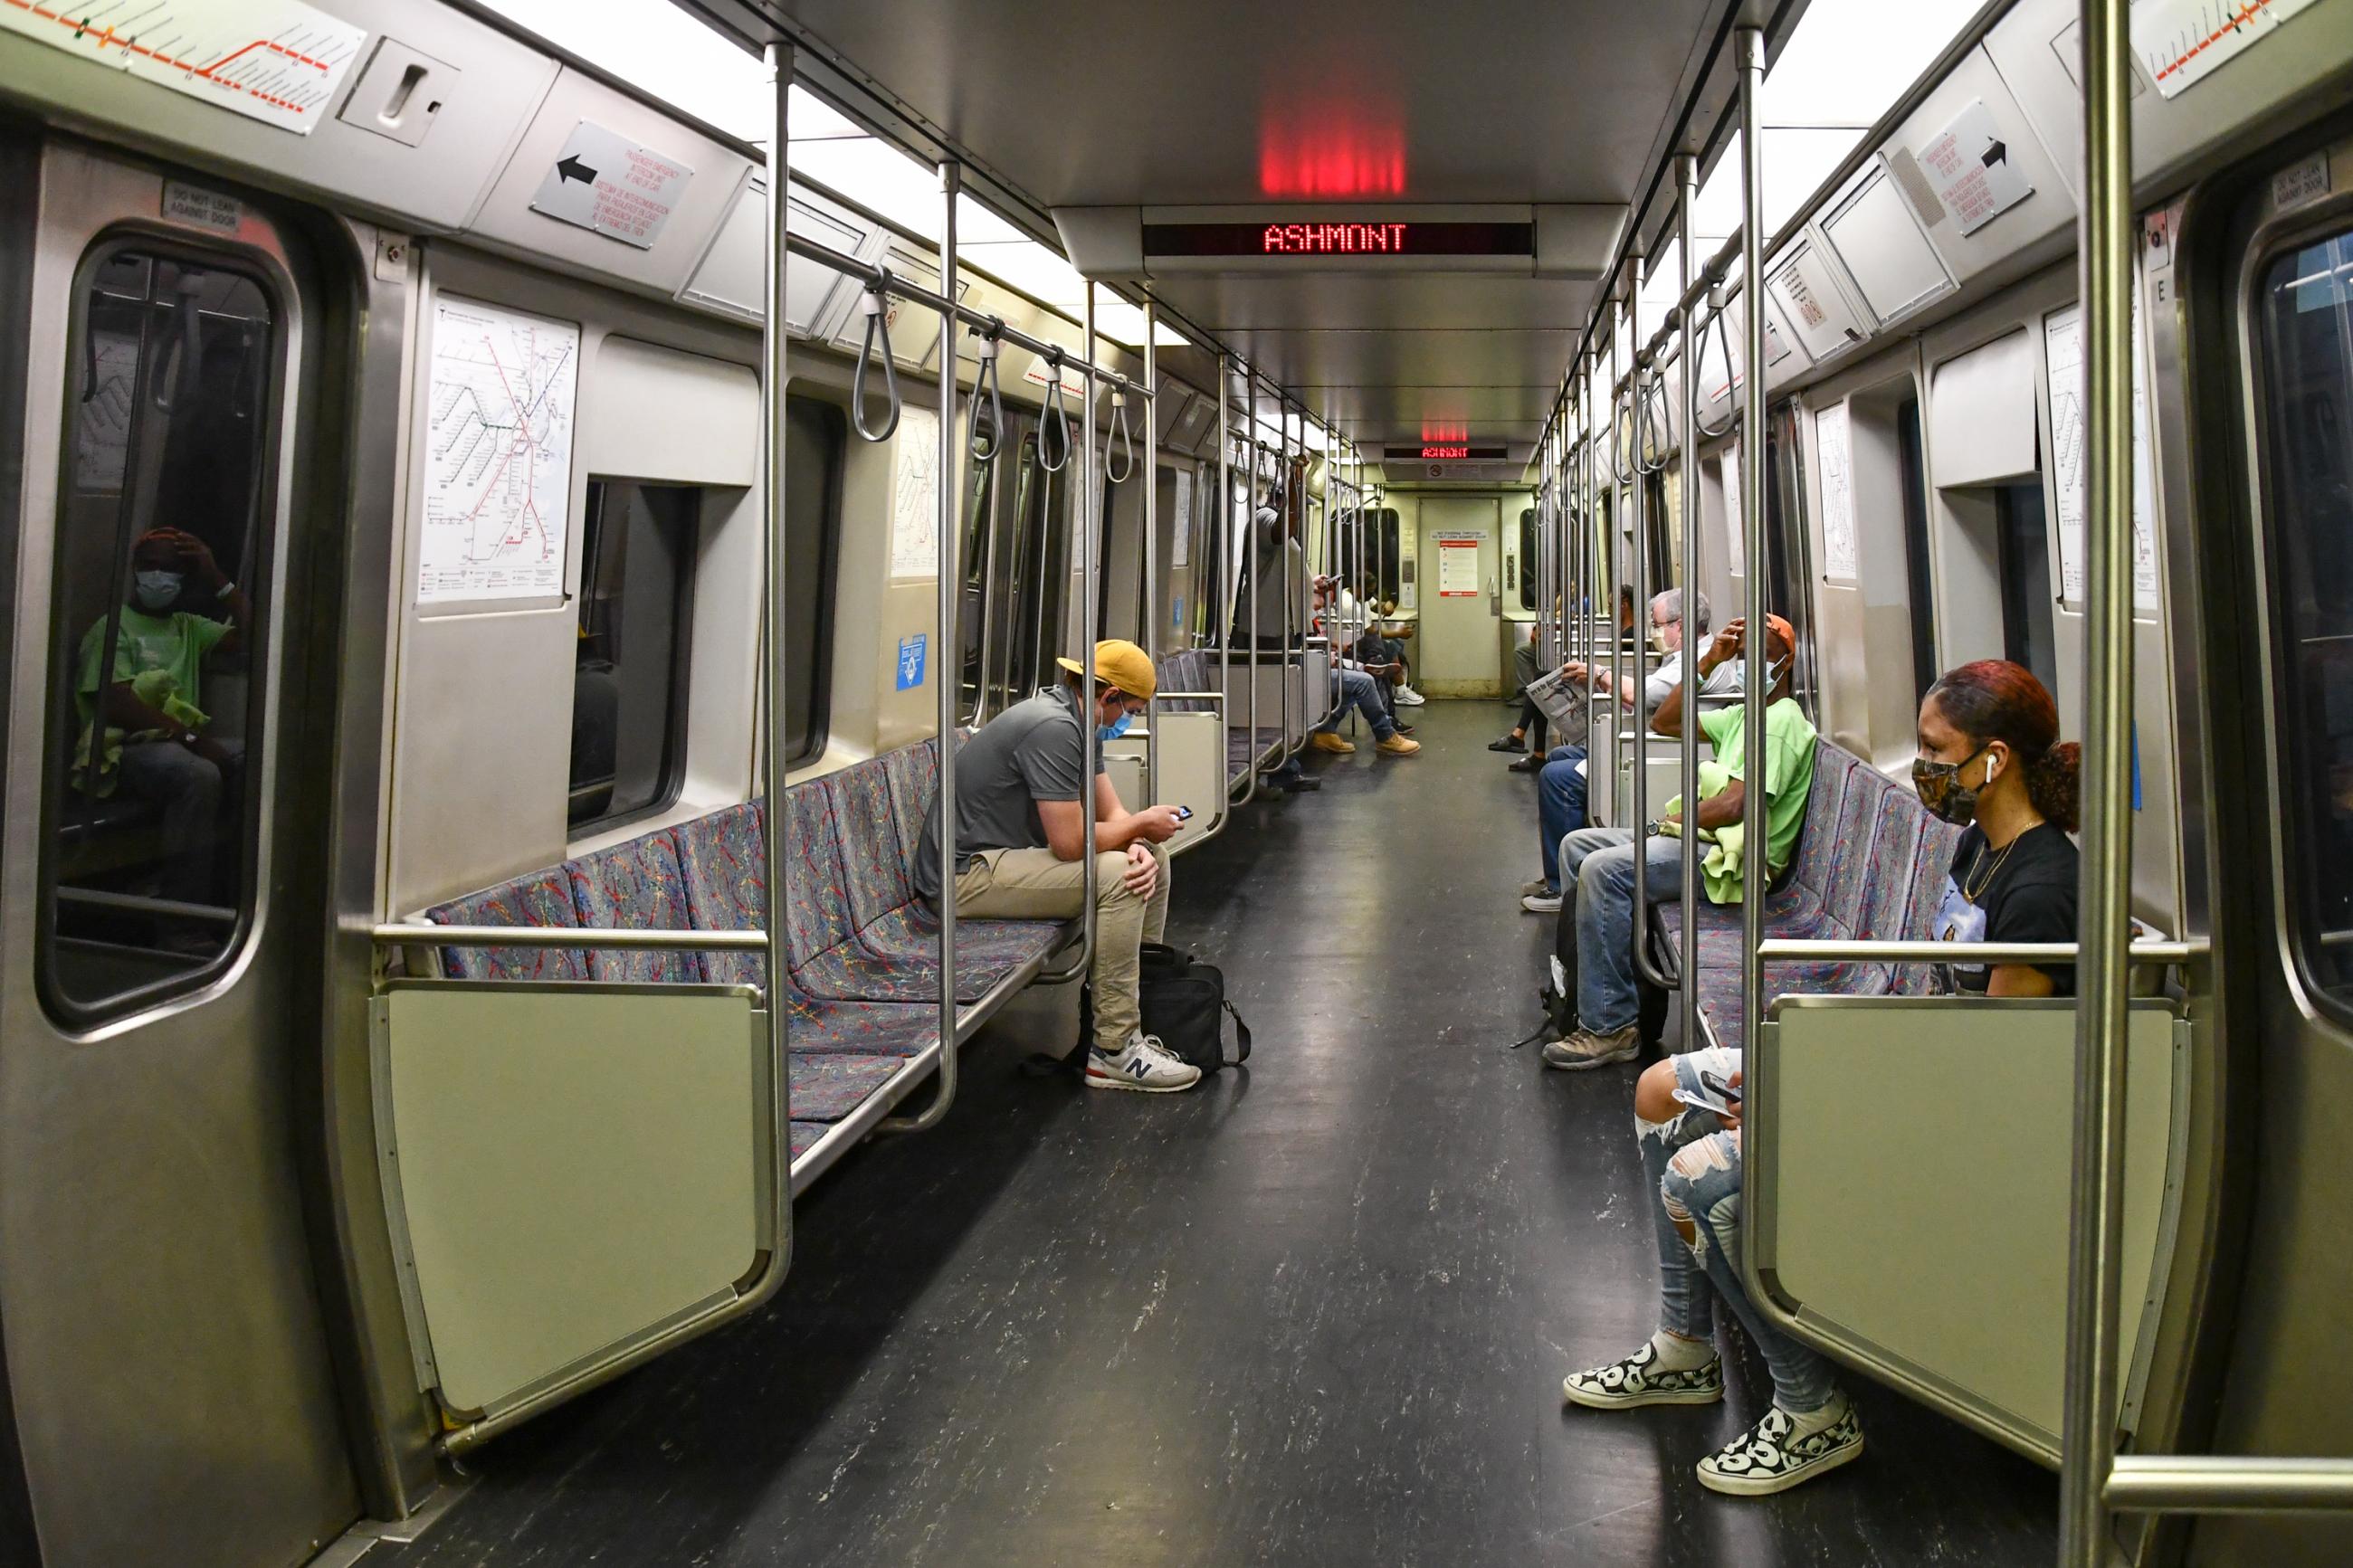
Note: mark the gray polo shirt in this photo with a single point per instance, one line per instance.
(1033, 751)
(1725, 678)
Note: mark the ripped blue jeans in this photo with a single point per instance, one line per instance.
(1693, 1165)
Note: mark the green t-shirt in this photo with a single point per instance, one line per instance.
(1788, 768)
(174, 644)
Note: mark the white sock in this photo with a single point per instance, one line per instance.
(1814, 1421)
(1676, 1353)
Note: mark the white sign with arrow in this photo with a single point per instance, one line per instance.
(605, 181)
(1970, 167)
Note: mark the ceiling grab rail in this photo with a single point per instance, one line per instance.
(949, 628)
(1687, 494)
(1085, 517)
(1059, 413)
(986, 349)
(877, 306)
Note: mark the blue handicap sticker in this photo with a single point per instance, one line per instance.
(911, 660)
(1177, 612)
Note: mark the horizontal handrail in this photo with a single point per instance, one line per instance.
(1793, 950)
(1192, 696)
(430, 935)
(2202, 1483)
(882, 278)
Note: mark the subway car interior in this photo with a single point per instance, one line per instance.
(897, 781)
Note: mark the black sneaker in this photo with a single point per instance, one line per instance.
(1766, 1460)
(1639, 1380)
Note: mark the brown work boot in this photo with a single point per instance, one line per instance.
(1399, 746)
(1326, 741)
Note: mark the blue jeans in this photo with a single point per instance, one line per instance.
(1694, 1166)
(1560, 806)
(1597, 888)
(1363, 693)
(190, 791)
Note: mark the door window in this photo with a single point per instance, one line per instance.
(157, 689)
(2305, 313)
(629, 668)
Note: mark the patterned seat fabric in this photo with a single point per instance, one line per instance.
(1871, 866)
(541, 898)
(637, 884)
(1239, 749)
(1188, 670)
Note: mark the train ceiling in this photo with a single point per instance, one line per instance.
(1343, 107)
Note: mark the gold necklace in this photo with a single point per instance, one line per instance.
(1971, 894)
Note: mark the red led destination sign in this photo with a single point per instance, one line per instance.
(1350, 238)
(1431, 451)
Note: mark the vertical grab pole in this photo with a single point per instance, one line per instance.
(1750, 47)
(2087, 1448)
(1229, 571)
(1291, 629)
(1686, 195)
(950, 677)
(1257, 568)
(1152, 548)
(1636, 510)
(774, 368)
(1086, 515)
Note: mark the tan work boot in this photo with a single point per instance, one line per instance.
(1326, 741)
(1399, 746)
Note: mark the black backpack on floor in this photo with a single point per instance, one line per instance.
(1183, 1001)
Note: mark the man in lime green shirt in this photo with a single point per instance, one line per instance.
(143, 725)
(1595, 945)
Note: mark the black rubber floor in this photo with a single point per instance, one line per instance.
(1314, 1313)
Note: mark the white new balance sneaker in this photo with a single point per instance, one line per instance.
(1407, 697)
(1146, 1066)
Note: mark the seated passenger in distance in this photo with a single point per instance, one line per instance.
(1020, 829)
(1362, 691)
(1275, 561)
(157, 743)
(1594, 946)
(1561, 783)
(1337, 619)
(1376, 640)
(1988, 759)
(1524, 661)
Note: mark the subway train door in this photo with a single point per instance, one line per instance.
(2283, 918)
(1459, 560)
(176, 532)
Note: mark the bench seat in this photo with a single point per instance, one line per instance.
(1870, 866)
(863, 981)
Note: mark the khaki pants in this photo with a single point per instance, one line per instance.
(1032, 885)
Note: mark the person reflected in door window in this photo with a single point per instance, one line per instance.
(144, 730)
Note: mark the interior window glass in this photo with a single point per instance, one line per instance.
(162, 587)
(2307, 434)
(1529, 559)
(628, 683)
(817, 437)
(1915, 546)
(2025, 567)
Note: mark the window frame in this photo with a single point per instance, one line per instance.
(2294, 835)
(672, 781)
(268, 525)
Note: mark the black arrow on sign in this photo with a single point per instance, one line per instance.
(574, 169)
(1997, 153)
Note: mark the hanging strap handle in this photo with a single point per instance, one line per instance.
(986, 451)
(1127, 443)
(878, 326)
(1058, 412)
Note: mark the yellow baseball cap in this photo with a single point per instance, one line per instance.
(1121, 664)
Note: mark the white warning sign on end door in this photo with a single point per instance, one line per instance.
(605, 181)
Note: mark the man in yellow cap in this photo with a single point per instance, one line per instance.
(1021, 829)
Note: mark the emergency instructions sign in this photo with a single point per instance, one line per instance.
(605, 181)
(1458, 562)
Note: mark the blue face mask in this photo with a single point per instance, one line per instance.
(156, 589)
(1114, 731)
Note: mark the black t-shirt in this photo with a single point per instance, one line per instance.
(2025, 891)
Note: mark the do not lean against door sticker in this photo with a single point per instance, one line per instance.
(2062, 338)
(498, 454)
